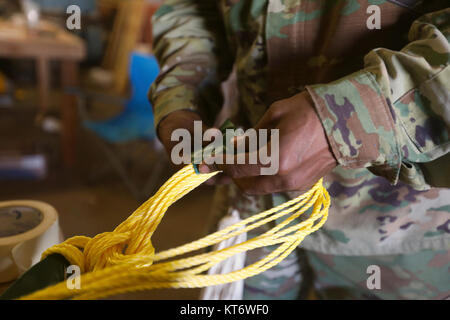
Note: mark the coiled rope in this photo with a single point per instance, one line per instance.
(124, 260)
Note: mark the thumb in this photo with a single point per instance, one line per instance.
(207, 168)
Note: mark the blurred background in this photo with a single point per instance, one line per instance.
(76, 127)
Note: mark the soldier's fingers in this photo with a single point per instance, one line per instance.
(238, 166)
(219, 179)
(261, 185)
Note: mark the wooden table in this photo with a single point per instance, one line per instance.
(44, 43)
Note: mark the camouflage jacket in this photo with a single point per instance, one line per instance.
(383, 96)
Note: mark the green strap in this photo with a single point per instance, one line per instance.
(47, 272)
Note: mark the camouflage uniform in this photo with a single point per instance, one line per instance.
(385, 112)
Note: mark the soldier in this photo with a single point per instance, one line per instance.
(360, 93)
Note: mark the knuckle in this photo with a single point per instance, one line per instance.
(274, 110)
(285, 166)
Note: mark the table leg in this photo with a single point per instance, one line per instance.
(43, 77)
(69, 78)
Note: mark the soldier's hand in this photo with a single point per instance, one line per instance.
(183, 119)
(304, 153)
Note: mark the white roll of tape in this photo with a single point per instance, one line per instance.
(27, 229)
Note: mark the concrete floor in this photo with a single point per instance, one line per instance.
(89, 207)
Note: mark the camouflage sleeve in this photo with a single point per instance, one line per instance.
(393, 117)
(190, 46)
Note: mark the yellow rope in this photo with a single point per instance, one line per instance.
(124, 260)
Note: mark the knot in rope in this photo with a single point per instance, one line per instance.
(104, 250)
(124, 260)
